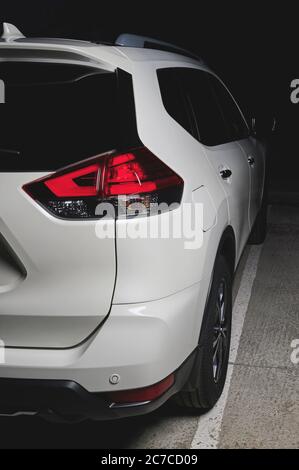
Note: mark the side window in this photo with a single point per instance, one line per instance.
(173, 99)
(208, 116)
(237, 128)
(199, 102)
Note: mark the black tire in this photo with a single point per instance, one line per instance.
(259, 230)
(206, 383)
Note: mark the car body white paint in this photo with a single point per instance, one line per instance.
(158, 289)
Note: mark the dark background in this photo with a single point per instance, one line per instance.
(255, 51)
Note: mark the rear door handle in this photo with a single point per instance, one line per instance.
(225, 174)
(251, 160)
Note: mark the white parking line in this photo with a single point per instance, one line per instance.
(209, 425)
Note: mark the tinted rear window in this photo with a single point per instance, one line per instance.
(57, 114)
(174, 100)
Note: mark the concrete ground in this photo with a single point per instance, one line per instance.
(260, 404)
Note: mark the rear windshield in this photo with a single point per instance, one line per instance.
(52, 115)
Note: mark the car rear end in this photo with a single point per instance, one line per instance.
(56, 277)
(69, 141)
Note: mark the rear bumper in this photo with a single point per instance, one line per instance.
(66, 400)
(141, 343)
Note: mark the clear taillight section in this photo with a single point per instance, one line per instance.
(121, 179)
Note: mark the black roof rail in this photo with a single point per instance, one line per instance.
(144, 42)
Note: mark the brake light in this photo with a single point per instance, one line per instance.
(135, 176)
(79, 183)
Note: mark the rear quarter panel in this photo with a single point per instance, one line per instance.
(150, 269)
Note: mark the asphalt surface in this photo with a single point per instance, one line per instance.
(260, 407)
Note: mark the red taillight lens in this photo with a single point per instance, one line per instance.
(141, 395)
(78, 183)
(138, 176)
(137, 173)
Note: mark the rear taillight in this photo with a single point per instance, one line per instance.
(133, 177)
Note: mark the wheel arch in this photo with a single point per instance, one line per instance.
(227, 248)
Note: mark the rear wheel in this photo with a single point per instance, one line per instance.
(207, 379)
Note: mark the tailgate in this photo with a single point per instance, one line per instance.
(56, 277)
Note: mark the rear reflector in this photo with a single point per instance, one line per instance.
(142, 395)
(136, 176)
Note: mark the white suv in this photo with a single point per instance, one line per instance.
(96, 320)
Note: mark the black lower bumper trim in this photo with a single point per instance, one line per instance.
(68, 401)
